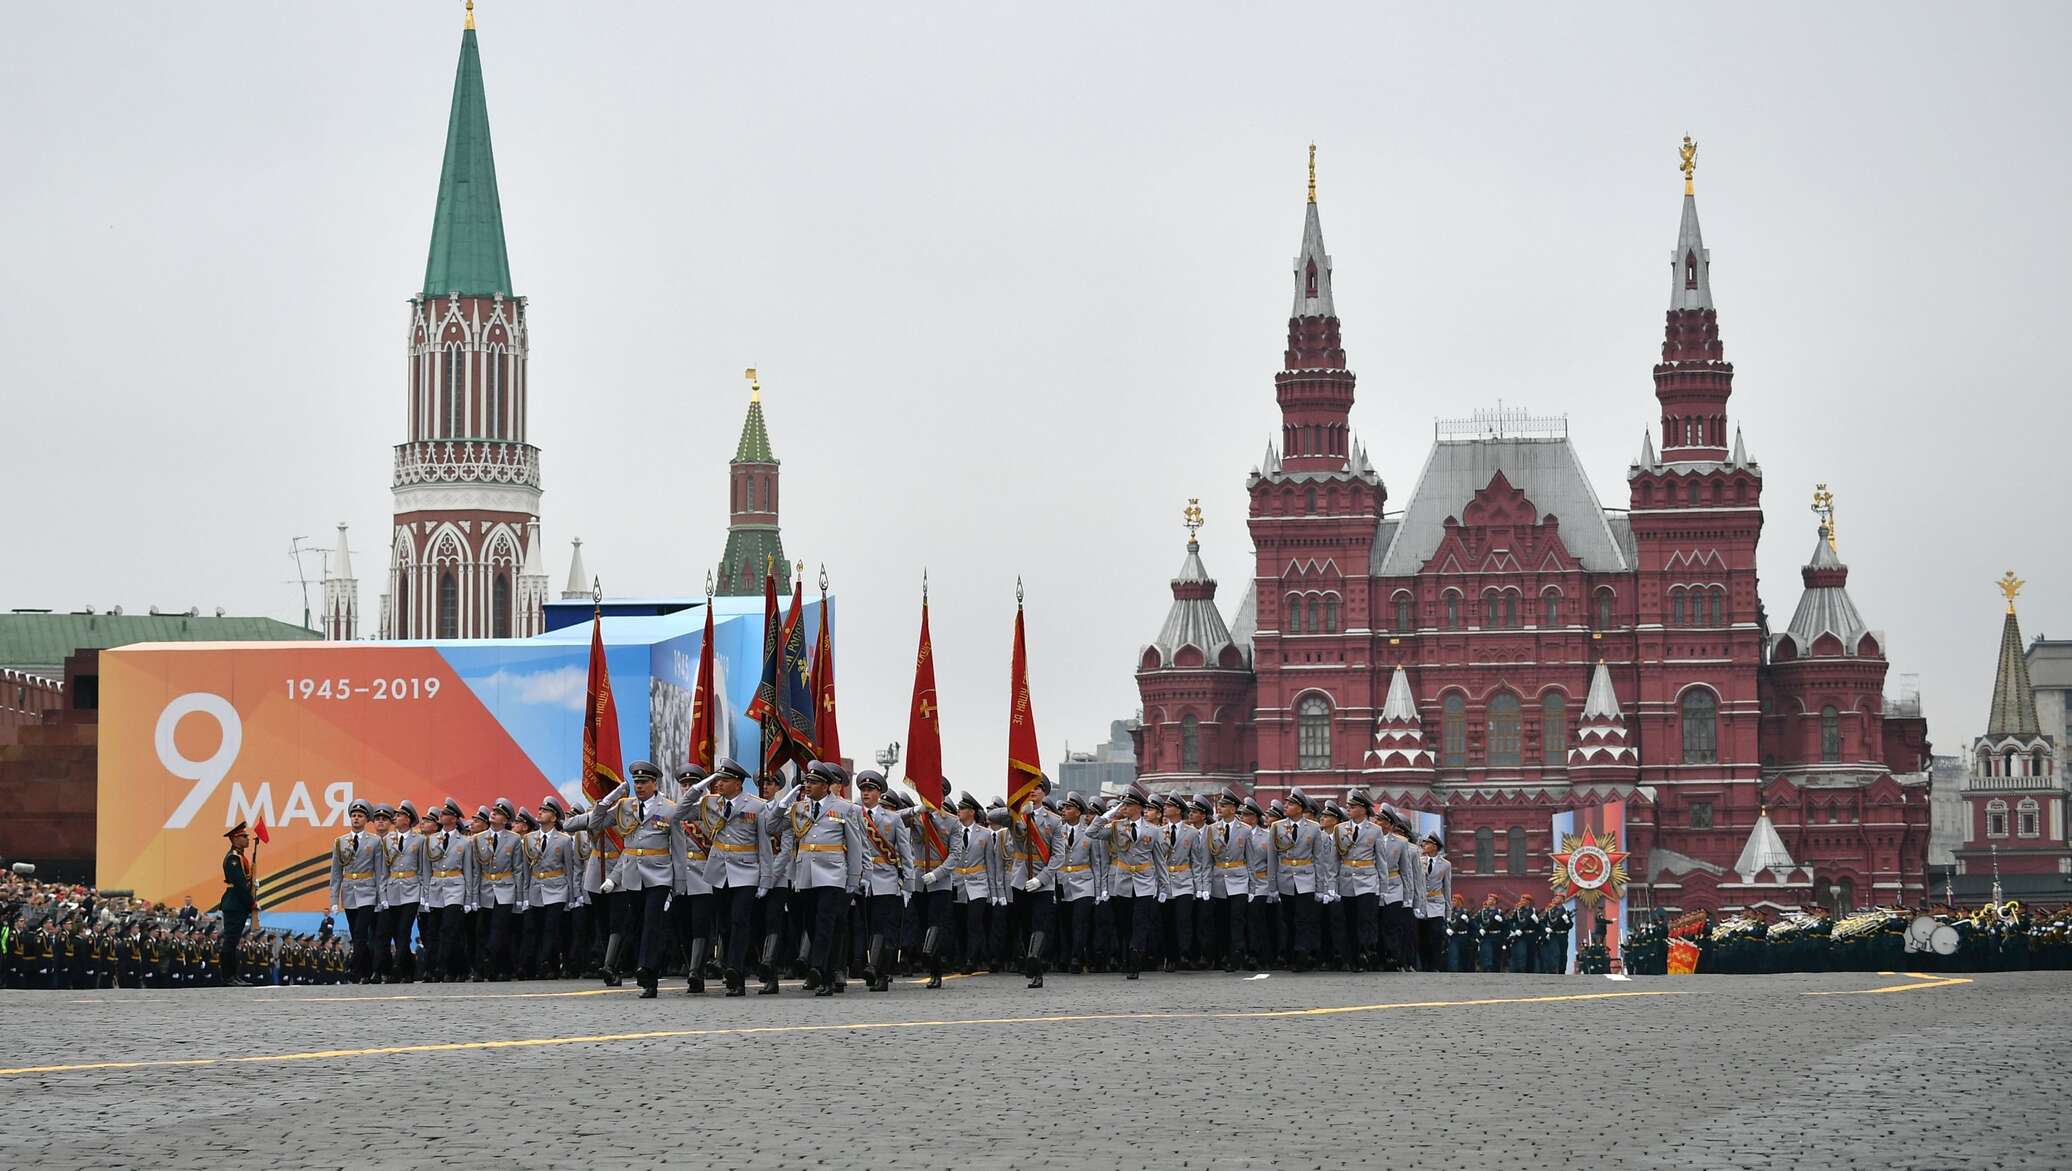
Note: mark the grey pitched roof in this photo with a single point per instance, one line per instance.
(1194, 620)
(1683, 292)
(1825, 607)
(1546, 470)
(1246, 623)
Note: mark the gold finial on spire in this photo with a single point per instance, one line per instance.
(1689, 152)
(2010, 585)
(471, 14)
(1824, 508)
(1312, 172)
(755, 386)
(1193, 515)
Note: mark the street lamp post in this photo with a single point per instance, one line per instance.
(887, 757)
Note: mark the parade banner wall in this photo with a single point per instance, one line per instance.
(195, 737)
(1604, 823)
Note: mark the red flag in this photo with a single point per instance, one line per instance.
(1022, 753)
(704, 733)
(259, 831)
(825, 735)
(924, 738)
(759, 709)
(602, 762)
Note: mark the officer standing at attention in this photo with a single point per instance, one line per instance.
(1559, 921)
(1525, 935)
(1295, 859)
(1075, 882)
(1460, 936)
(1492, 934)
(552, 884)
(356, 862)
(240, 899)
(887, 860)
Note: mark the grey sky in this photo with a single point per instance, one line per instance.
(1017, 280)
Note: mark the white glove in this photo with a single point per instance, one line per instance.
(336, 910)
(1161, 896)
(1201, 894)
(1033, 884)
(906, 897)
(470, 908)
(607, 886)
(521, 906)
(761, 891)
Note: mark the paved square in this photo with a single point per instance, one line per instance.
(1196, 1070)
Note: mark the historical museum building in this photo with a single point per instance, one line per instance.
(1502, 646)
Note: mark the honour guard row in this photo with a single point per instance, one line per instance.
(697, 873)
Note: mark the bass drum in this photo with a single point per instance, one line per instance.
(1921, 931)
(1944, 940)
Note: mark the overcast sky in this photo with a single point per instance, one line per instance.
(1017, 278)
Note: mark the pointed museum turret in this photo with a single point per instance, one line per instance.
(755, 544)
(1192, 679)
(1603, 749)
(1399, 755)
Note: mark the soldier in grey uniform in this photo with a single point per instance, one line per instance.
(645, 821)
(735, 824)
(1436, 902)
(602, 911)
(1183, 856)
(690, 910)
(935, 890)
(1074, 883)
(1398, 864)
(1032, 841)
(1295, 864)
(1359, 883)
(1263, 913)
(827, 843)
(1229, 882)
(887, 860)
(499, 880)
(1138, 879)
(553, 880)
(973, 867)
(781, 936)
(402, 889)
(447, 892)
(356, 884)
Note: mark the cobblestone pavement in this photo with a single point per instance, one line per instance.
(1190, 1071)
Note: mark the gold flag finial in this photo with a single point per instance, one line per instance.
(1312, 172)
(1689, 153)
(471, 14)
(2010, 585)
(1824, 508)
(1193, 515)
(755, 385)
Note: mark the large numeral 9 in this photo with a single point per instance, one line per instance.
(206, 774)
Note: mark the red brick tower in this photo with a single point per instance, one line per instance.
(1696, 513)
(467, 484)
(1316, 502)
(1195, 682)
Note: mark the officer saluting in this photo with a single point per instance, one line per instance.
(356, 866)
(734, 823)
(646, 869)
(887, 860)
(240, 899)
(827, 864)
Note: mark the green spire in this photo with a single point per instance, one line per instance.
(755, 438)
(468, 230)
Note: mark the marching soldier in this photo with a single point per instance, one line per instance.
(600, 846)
(1395, 858)
(1263, 909)
(1185, 858)
(1137, 887)
(827, 867)
(1230, 883)
(690, 910)
(938, 891)
(888, 859)
(240, 899)
(1075, 883)
(1032, 838)
(646, 870)
(553, 881)
(1330, 815)
(973, 866)
(1554, 927)
(735, 866)
(447, 896)
(1295, 864)
(1359, 880)
(1460, 936)
(1433, 908)
(780, 929)
(1525, 935)
(1492, 934)
(499, 886)
(357, 883)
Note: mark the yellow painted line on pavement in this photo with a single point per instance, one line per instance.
(764, 1030)
(1921, 982)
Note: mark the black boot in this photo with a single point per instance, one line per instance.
(611, 960)
(650, 983)
(769, 987)
(827, 983)
(694, 971)
(737, 985)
